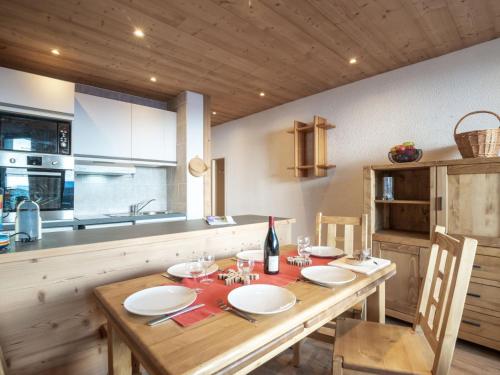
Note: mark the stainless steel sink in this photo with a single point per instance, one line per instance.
(154, 213)
(145, 213)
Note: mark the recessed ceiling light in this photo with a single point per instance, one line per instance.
(262, 93)
(139, 33)
(153, 79)
(55, 51)
(353, 60)
(214, 113)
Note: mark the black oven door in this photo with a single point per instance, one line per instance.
(53, 190)
(32, 134)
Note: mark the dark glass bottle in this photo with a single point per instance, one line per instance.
(271, 250)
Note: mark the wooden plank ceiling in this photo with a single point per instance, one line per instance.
(234, 49)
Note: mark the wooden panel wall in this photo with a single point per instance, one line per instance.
(48, 318)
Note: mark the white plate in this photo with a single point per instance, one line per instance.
(326, 251)
(328, 275)
(180, 270)
(256, 255)
(261, 299)
(159, 300)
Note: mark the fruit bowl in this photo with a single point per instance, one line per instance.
(405, 153)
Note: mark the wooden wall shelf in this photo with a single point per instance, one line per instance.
(303, 166)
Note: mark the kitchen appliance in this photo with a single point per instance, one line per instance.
(34, 134)
(45, 179)
(28, 222)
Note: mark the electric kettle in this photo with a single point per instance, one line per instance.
(28, 221)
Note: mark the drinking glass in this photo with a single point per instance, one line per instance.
(245, 267)
(304, 246)
(195, 268)
(207, 260)
(366, 253)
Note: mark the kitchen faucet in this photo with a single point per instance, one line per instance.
(135, 209)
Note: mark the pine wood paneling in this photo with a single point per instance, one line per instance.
(224, 48)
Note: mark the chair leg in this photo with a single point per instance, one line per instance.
(337, 365)
(363, 311)
(296, 354)
(136, 366)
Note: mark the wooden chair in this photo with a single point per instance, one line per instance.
(3, 364)
(348, 223)
(327, 332)
(427, 347)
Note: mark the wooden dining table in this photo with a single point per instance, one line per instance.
(226, 343)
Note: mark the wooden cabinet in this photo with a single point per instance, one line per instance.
(464, 197)
(102, 127)
(153, 133)
(106, 128)
(38, 95)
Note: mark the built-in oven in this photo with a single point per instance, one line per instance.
(44, 178)
(34, 134)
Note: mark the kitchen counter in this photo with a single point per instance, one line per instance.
(47, 304)
(78, 238)
(82, 221)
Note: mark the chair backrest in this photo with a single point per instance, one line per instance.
(442, 297)
(349, 223)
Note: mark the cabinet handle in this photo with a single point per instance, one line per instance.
(476, 266)
(470, 322)
(439, 203)
(474, 295)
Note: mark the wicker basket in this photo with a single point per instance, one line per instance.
(478, 143)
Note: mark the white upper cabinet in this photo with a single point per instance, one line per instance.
(102, 127)
(107, 128)
(153, 134)
(33, 94)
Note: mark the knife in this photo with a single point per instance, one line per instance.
(164, 318)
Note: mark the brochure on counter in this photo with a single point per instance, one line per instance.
(220, 220)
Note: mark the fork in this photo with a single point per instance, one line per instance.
(241, 314)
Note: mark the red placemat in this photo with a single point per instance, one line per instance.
(219, 290)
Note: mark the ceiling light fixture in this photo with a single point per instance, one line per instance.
(55, 51)
(214, 113)
(139, 33)
(262, 93)
(353, 60)
(153, 79)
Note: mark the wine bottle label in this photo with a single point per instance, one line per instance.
(273, 263)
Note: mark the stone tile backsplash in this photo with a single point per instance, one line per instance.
(100, 194)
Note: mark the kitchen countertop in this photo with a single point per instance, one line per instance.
(99, 219)
(88, 237)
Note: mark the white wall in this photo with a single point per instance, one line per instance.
(421, 102)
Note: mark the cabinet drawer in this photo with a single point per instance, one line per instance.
(486, 267)
(482, 325)
(389, 246)
(485, 296)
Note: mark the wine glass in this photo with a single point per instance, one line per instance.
(304, 246)
(245, 267)
(195, 268)
(207, 260)
(366, 253)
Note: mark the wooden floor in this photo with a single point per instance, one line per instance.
(316, 358)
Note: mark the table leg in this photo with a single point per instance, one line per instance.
(119, 355)
(376, 305)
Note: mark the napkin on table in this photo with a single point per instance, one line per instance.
(372, 265)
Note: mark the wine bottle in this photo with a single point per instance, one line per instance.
(271, 250)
